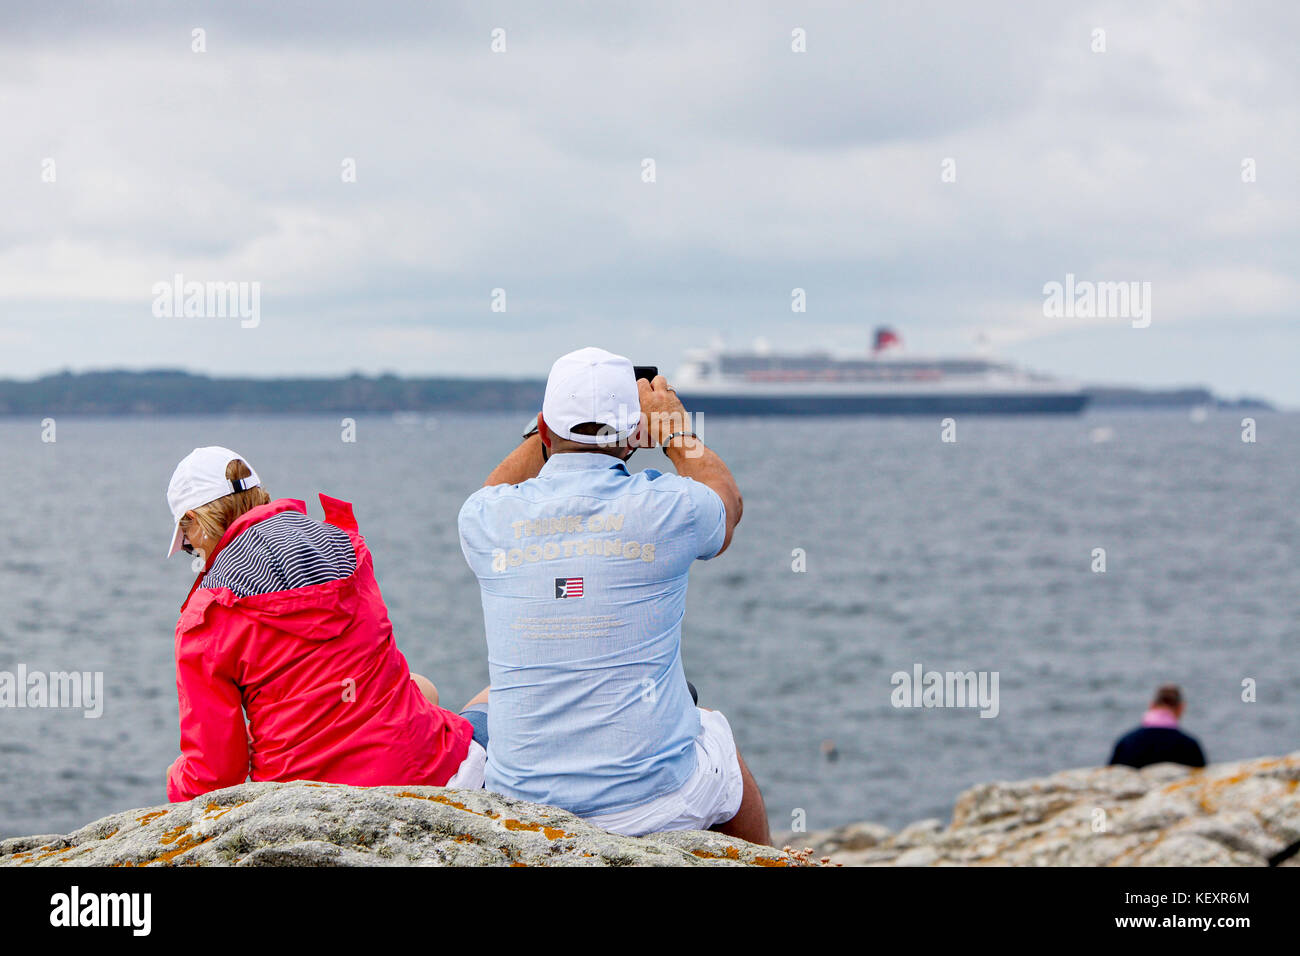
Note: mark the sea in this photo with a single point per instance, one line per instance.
(1071, 563)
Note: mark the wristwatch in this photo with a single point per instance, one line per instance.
(668, 442)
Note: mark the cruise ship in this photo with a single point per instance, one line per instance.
(883, 381)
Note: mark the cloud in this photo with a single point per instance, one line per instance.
(522, 171)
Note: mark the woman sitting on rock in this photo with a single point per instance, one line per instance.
(285, 623)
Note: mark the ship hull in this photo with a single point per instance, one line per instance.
(1064, 403)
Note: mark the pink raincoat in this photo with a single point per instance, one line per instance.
(328, 695)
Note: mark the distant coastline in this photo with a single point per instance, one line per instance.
(1111, 396)
(170, 392)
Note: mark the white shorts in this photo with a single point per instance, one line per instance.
(710, 796)
(469, 775)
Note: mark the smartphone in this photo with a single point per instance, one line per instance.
(647, 372)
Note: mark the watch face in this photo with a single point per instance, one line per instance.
(530, 427)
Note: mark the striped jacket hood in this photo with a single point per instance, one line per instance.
(318, 611)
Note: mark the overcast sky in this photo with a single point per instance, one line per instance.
(774, 170)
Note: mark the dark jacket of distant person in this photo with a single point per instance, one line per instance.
(1159, 739)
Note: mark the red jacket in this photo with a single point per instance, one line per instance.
(328, 695)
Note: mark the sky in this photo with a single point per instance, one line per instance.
(927, 166)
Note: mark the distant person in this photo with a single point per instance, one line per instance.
(583, 568)
(285, 623)
(1159, 740)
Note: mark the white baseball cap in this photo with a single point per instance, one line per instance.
(591, 385)
(199, 479)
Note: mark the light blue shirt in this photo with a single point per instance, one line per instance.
(583, 576)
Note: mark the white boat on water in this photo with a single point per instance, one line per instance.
(883, 381)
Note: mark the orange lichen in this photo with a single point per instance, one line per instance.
(731, 853)
(1197, 775)
(447, 801)
(182, 846)
(551, 833)
(150, 817)
(224, 810)
(186, 843)
(171, 836)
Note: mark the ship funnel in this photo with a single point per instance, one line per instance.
(885, 338)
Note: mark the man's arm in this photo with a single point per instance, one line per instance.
(708, 469)
(520, 465)
(690, 456)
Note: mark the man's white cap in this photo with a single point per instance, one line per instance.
(199, 479)
(592, 385)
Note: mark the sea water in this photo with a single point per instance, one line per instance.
(869, 548)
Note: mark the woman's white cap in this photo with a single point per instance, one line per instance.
(199, 479)
(591, 385)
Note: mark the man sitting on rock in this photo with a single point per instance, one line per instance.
(582, 566)
(1159, 740)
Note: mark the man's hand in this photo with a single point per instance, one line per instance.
(662, 411)
(662, 415)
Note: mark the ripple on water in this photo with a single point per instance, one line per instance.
(959, 561)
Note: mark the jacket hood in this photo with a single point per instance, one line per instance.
(318, 613)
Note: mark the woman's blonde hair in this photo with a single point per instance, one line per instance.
(216, 516)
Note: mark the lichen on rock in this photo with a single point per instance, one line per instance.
(1231, 814)
(315, 824)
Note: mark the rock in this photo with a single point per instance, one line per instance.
(917, 856)
(914, 834)
(1235, 814)
(317, 824)
(854, 836)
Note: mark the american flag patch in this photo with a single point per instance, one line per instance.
(568, 587)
